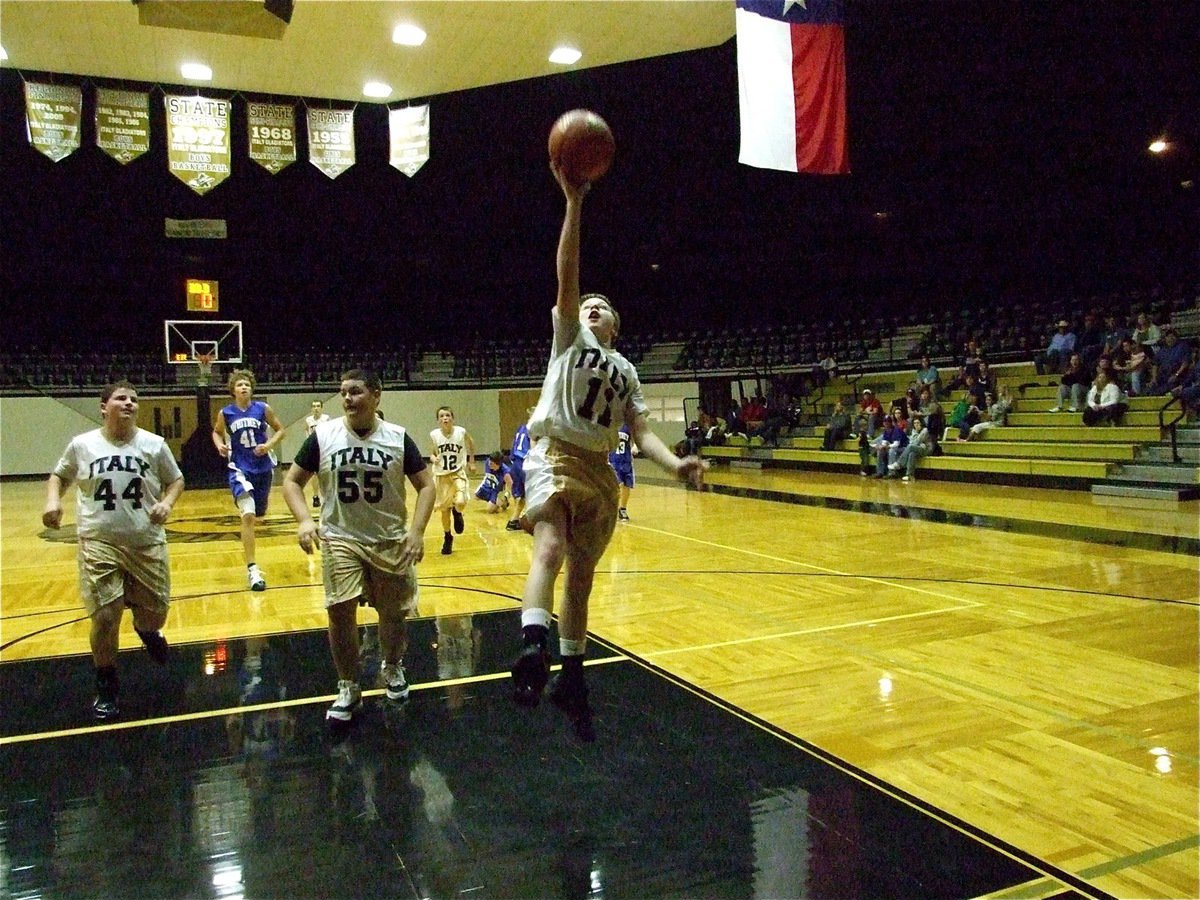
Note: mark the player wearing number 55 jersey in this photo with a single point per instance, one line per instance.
(590, 391)
(240, 435)
(128, 483)
(369, 549)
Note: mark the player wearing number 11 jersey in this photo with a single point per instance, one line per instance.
(368, 548)
(128, 483)
(590, 391)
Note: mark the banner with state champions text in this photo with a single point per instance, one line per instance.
(272, 135)
(198, 141)
(409, 138)
(52, 117)
(122, 123)
(331, 140)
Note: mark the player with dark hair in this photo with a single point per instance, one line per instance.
(621, 460)
(453, 456)
(369, 549)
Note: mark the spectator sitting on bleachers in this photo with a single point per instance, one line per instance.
(870, 413)
(1132, 364)
(889, 445)
(972, 356)
(935, 422)
(995, 414)
(714, 428)
(1188, 390)
(1105, 403)
(920, 445)
(1146, 333)
(1073, 387)
(1114, 333)
(1171, 362)
(838, 427)
(1059, 350)
(693, 440)
(1090, 341)
(924, 401)
(964, 415)
(985, 377)
(927, 377)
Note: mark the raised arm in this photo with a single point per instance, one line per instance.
(568, 247)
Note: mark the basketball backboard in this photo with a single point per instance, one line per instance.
(185, 340)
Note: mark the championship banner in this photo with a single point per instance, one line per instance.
(331, 140)
(272, 133)
(409, 138)
(122, 123)
(198, 141)
(52, 116)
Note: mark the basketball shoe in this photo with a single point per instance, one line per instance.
(349, 699)
(530, 673)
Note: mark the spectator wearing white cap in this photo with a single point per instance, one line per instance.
(1056, 354)
(870, 414)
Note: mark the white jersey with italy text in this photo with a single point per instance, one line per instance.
(589, 391)
(118, 485)
(449, 451)
(362, 482)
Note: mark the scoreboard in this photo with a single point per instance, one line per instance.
(202, 295)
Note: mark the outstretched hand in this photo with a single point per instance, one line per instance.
(692, 469)
(571, 190)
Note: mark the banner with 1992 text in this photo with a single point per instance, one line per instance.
(198, 141)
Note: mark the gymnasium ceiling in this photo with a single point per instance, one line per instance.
(331, 48)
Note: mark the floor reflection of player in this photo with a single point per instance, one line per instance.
(458, 647)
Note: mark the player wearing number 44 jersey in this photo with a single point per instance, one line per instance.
(128, 483)
(240, 435)
(571, 492)
(369, 550)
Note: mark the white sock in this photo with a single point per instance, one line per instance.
(535, 616)
(571, 648)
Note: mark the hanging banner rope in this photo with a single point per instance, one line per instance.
(198, 141)
(52, 116)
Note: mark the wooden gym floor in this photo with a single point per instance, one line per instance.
(806, 684)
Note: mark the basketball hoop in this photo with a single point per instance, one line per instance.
(204, 363)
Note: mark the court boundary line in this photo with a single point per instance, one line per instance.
(847, 768)
(1133, 540)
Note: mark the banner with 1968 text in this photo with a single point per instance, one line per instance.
(272, 134)
(198, 141)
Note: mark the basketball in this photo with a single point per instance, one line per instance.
(582, 145)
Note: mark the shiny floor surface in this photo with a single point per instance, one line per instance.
(805, 685)
(215, 791)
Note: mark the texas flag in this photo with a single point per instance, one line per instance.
(792, 85)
